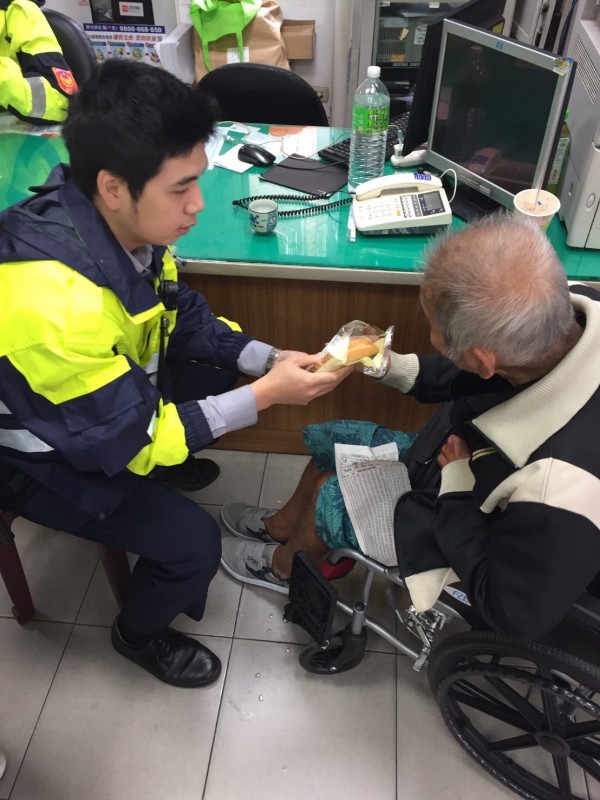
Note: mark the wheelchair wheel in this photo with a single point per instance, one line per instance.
(344, 651)
(527, 712)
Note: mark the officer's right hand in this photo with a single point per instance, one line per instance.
(289, 383)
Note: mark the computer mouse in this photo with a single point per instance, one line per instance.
(254, 154)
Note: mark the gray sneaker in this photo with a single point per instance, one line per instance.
(246, 521)
(249, 562)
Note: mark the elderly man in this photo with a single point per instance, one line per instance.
(516, 514)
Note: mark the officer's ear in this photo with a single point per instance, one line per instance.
(112, 189)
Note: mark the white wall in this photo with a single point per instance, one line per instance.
(318, 71)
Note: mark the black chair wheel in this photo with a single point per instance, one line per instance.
(527, 712)
(344, 651)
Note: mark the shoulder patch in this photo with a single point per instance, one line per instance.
(66, 81)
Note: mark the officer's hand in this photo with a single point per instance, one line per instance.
(289, 382)
(285, 354)
(455, 449)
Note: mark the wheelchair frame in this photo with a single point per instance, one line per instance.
(544, 695)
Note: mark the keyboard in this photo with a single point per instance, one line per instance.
(339, 153)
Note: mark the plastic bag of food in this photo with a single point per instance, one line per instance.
(358, 343)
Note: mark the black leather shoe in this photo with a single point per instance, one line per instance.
(172, 657)
(191, 475)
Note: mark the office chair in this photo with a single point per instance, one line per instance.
(262, 93)
(114, 561)
(76, 47)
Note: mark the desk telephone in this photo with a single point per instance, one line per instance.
(401, 203)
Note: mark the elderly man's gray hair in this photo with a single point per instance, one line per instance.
(497, 284)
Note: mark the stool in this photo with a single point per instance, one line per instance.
(114, 561)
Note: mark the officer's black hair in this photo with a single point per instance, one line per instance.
(128, 118)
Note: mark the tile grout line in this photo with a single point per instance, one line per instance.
(214, 736)
(55, 622)
(43, 705)
(233, 639)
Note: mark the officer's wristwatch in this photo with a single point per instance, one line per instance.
(271, 359)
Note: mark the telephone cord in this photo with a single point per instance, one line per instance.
(244, 202)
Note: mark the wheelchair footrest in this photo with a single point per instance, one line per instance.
(313, 599)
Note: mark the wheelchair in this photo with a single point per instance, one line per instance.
(526, 711)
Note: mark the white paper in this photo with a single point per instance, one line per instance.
(242, 127)
(372, 480)
(257, 137)
(303, 143)
(230, 160)
(212, 148)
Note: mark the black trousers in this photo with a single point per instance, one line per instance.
(178, 543)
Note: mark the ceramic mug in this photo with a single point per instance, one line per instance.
(263, 215)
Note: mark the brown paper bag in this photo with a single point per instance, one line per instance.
(263, 43)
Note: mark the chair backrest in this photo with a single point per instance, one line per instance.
(76, 47)
(262, 93)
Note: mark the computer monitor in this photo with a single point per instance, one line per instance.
(497, 112)
(482, 13)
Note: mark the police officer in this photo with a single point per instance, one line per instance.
(35, 79)
(103, 355)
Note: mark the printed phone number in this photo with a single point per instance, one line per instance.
(140, 29)
(125, 28)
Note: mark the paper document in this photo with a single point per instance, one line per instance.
(212, 148)
(230, 160)
(372, 480)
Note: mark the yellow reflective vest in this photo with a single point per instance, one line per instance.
(81, 411)
(35, 80)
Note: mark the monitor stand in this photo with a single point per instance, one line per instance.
(470, 205)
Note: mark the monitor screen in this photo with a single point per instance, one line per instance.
(482, 13)
(497, 112)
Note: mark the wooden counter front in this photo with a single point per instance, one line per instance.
(303, 315)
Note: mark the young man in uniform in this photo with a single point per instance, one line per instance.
(104, 356)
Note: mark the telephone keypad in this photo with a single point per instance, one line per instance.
(404, 206)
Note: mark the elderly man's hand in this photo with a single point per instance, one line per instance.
(454, 450)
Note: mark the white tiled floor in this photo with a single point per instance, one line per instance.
(78, 722)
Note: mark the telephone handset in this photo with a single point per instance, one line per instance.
(401, 203)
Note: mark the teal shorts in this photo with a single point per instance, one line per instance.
(331, 518)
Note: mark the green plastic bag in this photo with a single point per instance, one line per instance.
(213, 19)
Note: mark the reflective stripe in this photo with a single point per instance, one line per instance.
(152, 425)
(151, 370)
(38, 97)
(152, 366)
(24, 441)
(21, 439)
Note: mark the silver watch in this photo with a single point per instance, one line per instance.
(271, 359)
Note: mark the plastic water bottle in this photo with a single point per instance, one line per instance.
(370, 120)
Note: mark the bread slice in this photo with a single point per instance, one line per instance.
(358, 347)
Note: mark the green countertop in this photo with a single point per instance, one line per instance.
(222, 233)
